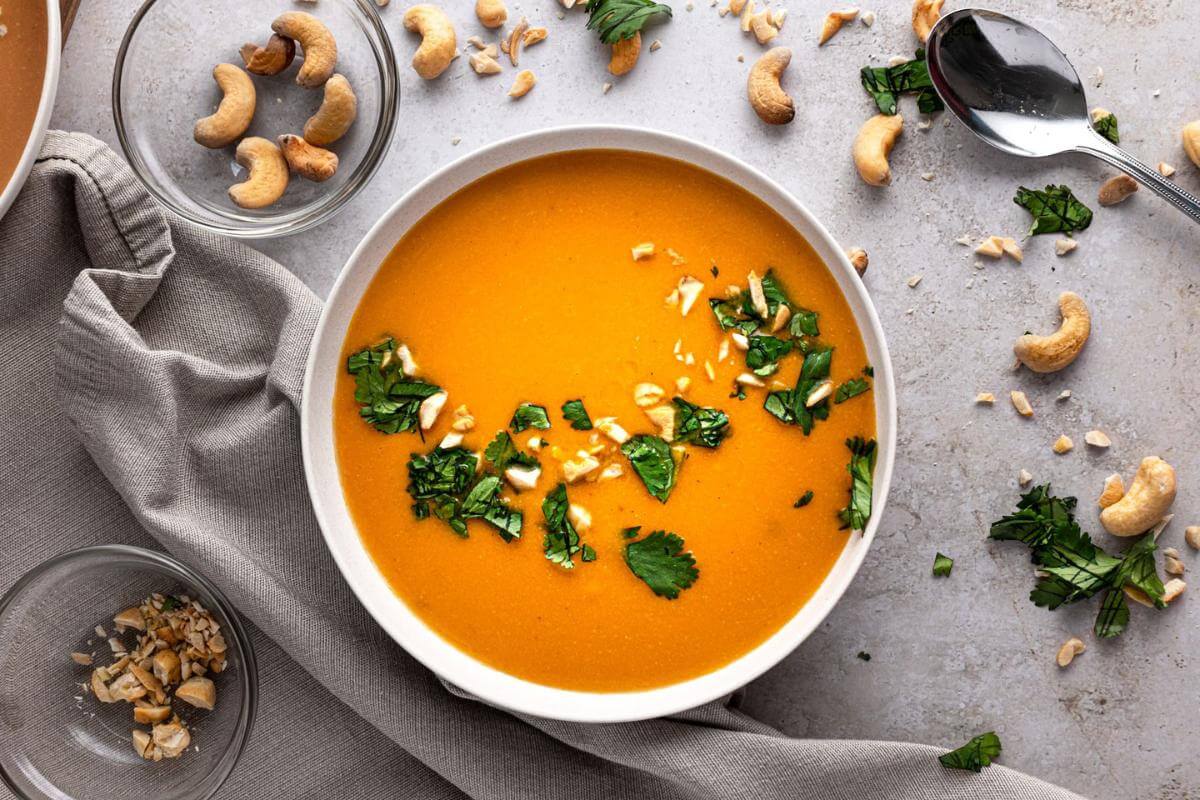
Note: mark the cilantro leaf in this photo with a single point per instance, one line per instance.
(574, 413)
(764, 352)
(622, 19)
(851, 388)
(442, 482)
(728, 316)
(699, 425)
(1055, 210)
(1114, 615)
(789, 406)
(503, 453)
(803, 323)
(388, 400)
(886, 84)
(660, 562)
(654, 463)
(1106, 126)
(561, 542)
(975, 754)
(442, 471)
(804, 500)
(861, 468)
(529, 415)
(942, 566)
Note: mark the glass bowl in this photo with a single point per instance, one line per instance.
(60, 742)
(163, 83)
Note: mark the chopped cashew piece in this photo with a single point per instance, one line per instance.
(663, 418)
(647, 394)
(171, 738)
(1114, 490)
(484, 63)
(82, 659)
(925, 15)
(872, 146)
(430, 408)
(1097, 439)
(689, 291)
(1064, 246)
(533, 36)
(1024, 477)
(642, 251)
(1192, 536)
(682, 383)
(522, 478)
(1071, 648)
(1172, 589)
(199, 692)
(584, 464)
(1165, 169)
(1021, 403)
(740, 341)
(408, 363)
(1146, 502)
(758, 298)
(609, 427)
(1063, 445)
(130, 618)
(613, 470)
(525, 81)
(762, 27)
(833, 23)
(749, 379)
(1117, 189)
(141, 743)
(1172, 565)
(782, 315)
(451, 440)
(819, 392)
(580, 517)
(985, 398)
(149, 715)
(1057, 350)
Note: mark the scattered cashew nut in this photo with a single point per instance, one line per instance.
(320, 48)
(625, 54)
(438, 44)
(858, 260)
(521, 86)
(1192, 536)
(1146, 503)
(235, 112)
(833, 23)
(1191, 141)
(1070, 648)
(492, 13)
(767, 98)
(336, 114)
(1116, 189)
(307, 160)
(269, 59)
(873, 145)
(925, 15)
(516, 37)
(268, 176)
(484, 63)
(1052, 353)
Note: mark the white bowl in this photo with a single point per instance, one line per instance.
(49, 87)
(320, 461)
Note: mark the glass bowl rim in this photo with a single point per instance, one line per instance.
(240, 640)
(269, 227)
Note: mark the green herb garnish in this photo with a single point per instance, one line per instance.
(503, 453)
(790, 405)
(699, 425)
(861, 467)
(443, 484)
(804, 500)
(529, 415)
(661, 563)
(764, 352)
(851, 388)
(886, 84)
(975, 754)
(727, 313)
(942, 566)
(654, 463)
(561, 542)
(622, 19)
(388, 400)
(574, 413)
(1055, 210)
(1106, 126)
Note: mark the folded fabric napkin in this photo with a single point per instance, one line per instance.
(151, 395)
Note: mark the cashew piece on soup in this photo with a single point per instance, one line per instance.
(320, 48)
(336, 114)
(1146, 503)
(873, 145)
(625, 54)
(268, 176)
(767, 98)
(269, 59)
(438, 44)
(235, 112)
(1052, 353)
(308, 160)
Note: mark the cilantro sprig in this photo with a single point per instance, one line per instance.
(654, 462)
(388, 399)
(622, 19)
(975, 754)
(574, 413)
(660, 561)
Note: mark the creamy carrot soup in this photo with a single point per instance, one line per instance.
(566, 475)
(22, 67)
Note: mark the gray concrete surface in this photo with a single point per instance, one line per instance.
(950, 657)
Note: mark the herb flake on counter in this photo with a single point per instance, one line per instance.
(699, 425)
(974, 755)
(574, 413)
(1055, 209)
(388, 400)
(861, 468)
(660, 561)
(851, 388)
(1106, 125)
(789, 406)
(886, 84)
(561, 543)
(622, 19)
(654, 463)
(804, 500)
(942, 566)
(529, 415)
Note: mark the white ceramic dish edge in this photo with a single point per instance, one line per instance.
(356, 565)
(45, 106)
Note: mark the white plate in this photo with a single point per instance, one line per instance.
(320, 463)
(49, 86)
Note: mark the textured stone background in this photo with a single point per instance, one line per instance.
(949, 657)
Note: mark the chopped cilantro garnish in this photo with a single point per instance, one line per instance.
(1055, 210)
(1106, 126)
(660, 562)
(622, 19)
(975, 754)
(862, 464)
(789, 406)
(561, 543)
(727, 314)
(529, 415)
(851, 388)
(764, 352)
(715, 272)
(804, 500)
(442, 471)
(387, 399)
(574, 413)
(654, 463)
(942, 566)
(886, 84)
(699, 425)
(869, 371)
(442, 482)
(503, 453)
(803, 323)
(631, 532)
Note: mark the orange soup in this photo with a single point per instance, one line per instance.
(692, 535)
(23, 65)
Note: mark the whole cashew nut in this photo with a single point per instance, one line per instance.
(767, 98)
(1052, 353)
(235, 112)
(336, 114)
(308, 160)
(872, 146)
(491, 13)
(268, 176)
(1191, 141)
(320, 48)
(925, 14)
(625, 54)
(1146, 503)
(438, 44)
(269, 59)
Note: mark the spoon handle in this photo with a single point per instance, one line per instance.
(1105, 150)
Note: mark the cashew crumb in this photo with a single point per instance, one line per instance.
(1064, 246)
(914, 280)
(927, 176)
(1173, 566)
(655, 45)
(1097, 439)
(642, 251)
(1071, 648)
(999, 246)
(1063, 445)
(1192, 536)
(868, 18)
(1065, 394)
(1024, 477)
(833, 23)
(1021, 404)
(1165, 169)
(606, 88)
(1172, 589)
(985, 398)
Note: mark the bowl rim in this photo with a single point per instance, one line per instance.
(270, 227)
(41, 121)
(240, 639)
(359, 570)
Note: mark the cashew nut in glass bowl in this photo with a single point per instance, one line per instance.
(235, 112)
(1057, 350)
(1145, 504)
(873, 145)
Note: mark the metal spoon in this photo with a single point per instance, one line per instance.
(1015, 90)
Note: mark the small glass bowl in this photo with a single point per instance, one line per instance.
(59, 742)
(163, 83)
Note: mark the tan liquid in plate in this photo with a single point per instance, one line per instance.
(23, 69)
(521, 288)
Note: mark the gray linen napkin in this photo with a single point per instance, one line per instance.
(151, 384)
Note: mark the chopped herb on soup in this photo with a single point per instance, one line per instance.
(851, 388)
(388, 399)
(529, 415)
(654, 462)
(561, 543)
(698, 425)
(861, 468)
(804, 500)
(661, 562)
(574, 413)
(792, 406)
(443, 484)
(764, 352)
(502, 453)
